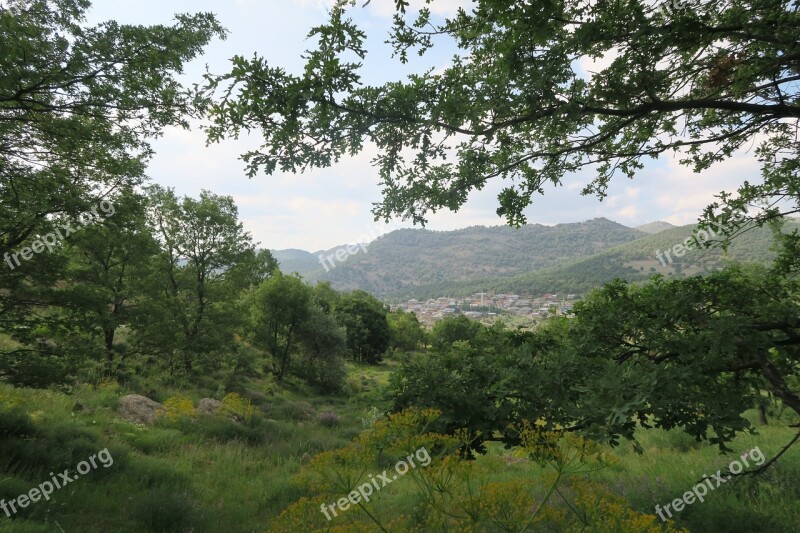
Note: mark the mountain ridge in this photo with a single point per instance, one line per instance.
(413, 257)
(655, 227)
(533, 259)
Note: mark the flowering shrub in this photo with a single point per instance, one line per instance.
(238, 406)
(545, 487)
(179, 407)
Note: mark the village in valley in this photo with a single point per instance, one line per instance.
(489, 305)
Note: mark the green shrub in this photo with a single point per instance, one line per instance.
(292, 410)
(327, 374)
(328, 419)
(15, 422)
(165, 511)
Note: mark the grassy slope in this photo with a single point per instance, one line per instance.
(215, 475)
(204, 474)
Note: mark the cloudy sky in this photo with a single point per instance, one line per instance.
(332, 206)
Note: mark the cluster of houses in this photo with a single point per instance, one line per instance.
(489, 304)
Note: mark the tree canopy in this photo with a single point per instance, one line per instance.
(518, 101)
(692, 353)
(79, 104)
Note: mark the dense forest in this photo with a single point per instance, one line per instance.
(159, 371)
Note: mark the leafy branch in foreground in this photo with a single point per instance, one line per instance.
(513, 104)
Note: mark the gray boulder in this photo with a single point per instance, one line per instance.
(208, 406)
(139, 409)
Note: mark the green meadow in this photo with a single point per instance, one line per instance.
(207, 474)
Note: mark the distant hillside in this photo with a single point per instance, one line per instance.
(532, 260)
(294, 260)
(408, 259)
(632, 261)
(655, 227)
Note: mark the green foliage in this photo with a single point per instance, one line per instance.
(688, 353)
(44, 366)
(62, 151)
(452, 329)
(326, 296)
(517, 110)
(364, 319)
(107, 263)
(277, 308)
(479, 385)
(406, 332)
(691, 353)
(15, 423)
(324, 343)
(242, 364)
(206, 260)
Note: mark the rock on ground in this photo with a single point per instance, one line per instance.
(139, 409)
(209, 406)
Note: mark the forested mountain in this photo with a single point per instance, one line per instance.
(294, 260)
(655, 227)
(534, 259)
(633, 261)
(411, 258)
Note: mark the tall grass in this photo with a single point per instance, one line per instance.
(209, 474)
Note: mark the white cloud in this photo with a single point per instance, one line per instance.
(592, 66)
(444, 8)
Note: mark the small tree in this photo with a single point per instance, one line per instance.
(206, 259)
(364, 318)
(326, 296)
(107, 262)
(405, 331)
(278, 309)
(454, 328)
(323, 342)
